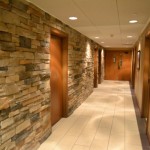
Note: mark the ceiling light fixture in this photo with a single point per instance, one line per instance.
(102, 42)
(129, 36)
(96, 37)
(73, 18)
(133, 21)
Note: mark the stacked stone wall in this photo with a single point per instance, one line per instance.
(25, 31)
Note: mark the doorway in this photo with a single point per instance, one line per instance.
(146, 86)
(59, 76)
(118, 65)
(148, 117)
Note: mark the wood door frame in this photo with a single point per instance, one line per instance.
(133, 67)
(99, 66)
(148, 118)
(145, 101)
(64, 38)
(147, 45)
(95, 68)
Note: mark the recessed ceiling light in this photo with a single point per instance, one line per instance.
(129, 36)
(102, 42)
(96, 37)
(73, 18)
(133, 21)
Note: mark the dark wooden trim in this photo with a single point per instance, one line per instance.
(99, 66)
(58, 33)
(145, 92)
(146, 87)
(64, 37)
(133, 67)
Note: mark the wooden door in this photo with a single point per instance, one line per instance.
(118, 65)
(124, 65)
(146, 85)
(111, 65)
(148, 99)
(145, 97)
(56, 78)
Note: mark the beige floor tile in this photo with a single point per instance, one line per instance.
(48, 145)
(68, 140)
(133, 140)
(116, 143)
(136, 147)
(105, 121)
(88, 133)
(79, 147)
(66, 143)
(99, 145)
(116, 139)
(61, 121)
(102, 134)
(78, 126)
(85, 139)
(117, 146)
(62, 147)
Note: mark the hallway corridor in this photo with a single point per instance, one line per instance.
(105, 121)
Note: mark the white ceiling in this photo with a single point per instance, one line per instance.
(106, 19)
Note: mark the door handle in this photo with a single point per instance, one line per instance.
(118, 66)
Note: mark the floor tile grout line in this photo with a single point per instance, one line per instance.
(125, 94)
(124, 118)
(79, 136)
(112, 125)
(97, 129)
(63, 135)
(66, 131)
(111, 128)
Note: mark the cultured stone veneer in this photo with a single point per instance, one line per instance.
(25, 30)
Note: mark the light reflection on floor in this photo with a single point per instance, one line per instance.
(105, 121)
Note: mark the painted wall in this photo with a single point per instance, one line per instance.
(25, 31)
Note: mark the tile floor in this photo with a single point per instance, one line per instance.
(107, 120)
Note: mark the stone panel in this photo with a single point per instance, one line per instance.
(5, 36)
(7, 46)
(13, 78)
(23, 126)
(8, 135)
(7, 122)
(11, 89)
(25, 42)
